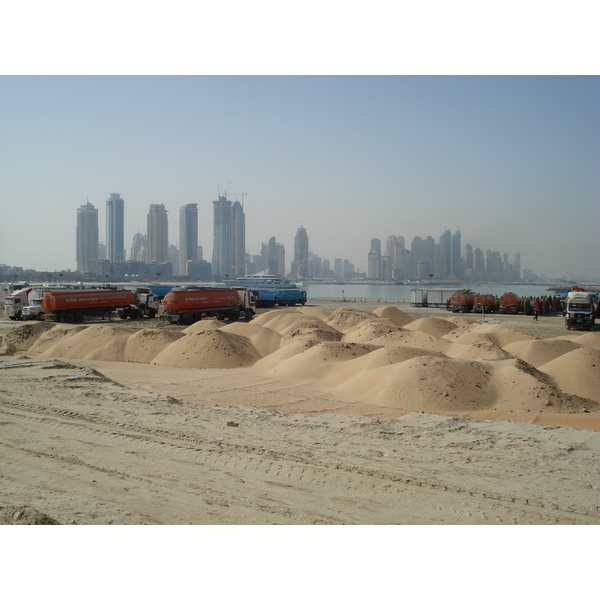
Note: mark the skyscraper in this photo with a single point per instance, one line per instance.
(158, 234)
(87, 238)
(239, 240)
(115, 228)
(374, 260)
(222, 259)
(188, 236)
(300, 264)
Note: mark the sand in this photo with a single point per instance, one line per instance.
(269, 421)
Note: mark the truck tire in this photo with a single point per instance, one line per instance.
(69, 318)
(151, 312)
(78, 317)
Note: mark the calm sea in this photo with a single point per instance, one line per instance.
(402, 292)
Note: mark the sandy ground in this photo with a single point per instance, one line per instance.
(322, 415)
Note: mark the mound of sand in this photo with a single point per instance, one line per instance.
(519, 386)
(381, 357)
(57, 333)
(278, 320)
(539, 352)
(414, 339)
(432, 325)
(316, 362)
(424, 383)
(344, 319)
(577, 372)
(313, 311)
(306, 322)
(497, 334)
(203, 325)
(99, 342)
(22, 338)
(370, 330)
(145, 344)
(208, 350)
(265, 340)
(477, 351)
(395, 315)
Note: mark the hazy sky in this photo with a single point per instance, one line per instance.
(511, 161)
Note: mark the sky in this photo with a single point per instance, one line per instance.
(509, 160)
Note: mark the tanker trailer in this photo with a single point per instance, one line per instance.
(461, 300)
(73, 306)
(485, 303)
(188, 306)
(509, 303)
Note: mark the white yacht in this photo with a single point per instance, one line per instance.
(262, 281)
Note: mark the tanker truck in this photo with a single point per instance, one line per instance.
(73, 306)
(186, 306)
(461, 300)
(579, 310)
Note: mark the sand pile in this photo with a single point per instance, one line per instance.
(344, 319)
(208, 350)
(432, 326)
(395, 315)
(144, 345)
(577, 372)
(367, 331)
(382, 358)
(22, 338)
(100, 342)
(497, 334)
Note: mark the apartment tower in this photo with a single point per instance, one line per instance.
(115, 228)
(158, 234)
(188, 236)
(87, 238)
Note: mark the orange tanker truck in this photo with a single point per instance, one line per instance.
(461, 300)
(73, 306)
(186, 306)
(485, 303)
(510, 303)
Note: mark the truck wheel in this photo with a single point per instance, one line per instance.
(122, 316)
(78, 317)
(151, 313)
(69, 318)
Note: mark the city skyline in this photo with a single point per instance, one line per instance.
(511, 161)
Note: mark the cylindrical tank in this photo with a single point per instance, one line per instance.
(181, 301)
(83, 299)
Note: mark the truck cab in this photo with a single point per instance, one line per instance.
(579, 310)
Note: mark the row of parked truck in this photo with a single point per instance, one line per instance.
(579, 307)
(183, 305)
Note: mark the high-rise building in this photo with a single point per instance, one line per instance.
(273, 258)
(455, 255)
(238, 268)
(115, 228)
(87, 238)
(374, 260)
(300, 262)
(445, 253)
(188, 236)
(158, 234)
(222, 260)
(138, 248)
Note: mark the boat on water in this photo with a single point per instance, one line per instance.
(262, 281)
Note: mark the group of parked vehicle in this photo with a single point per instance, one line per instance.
(579, 307)
(182, 304)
